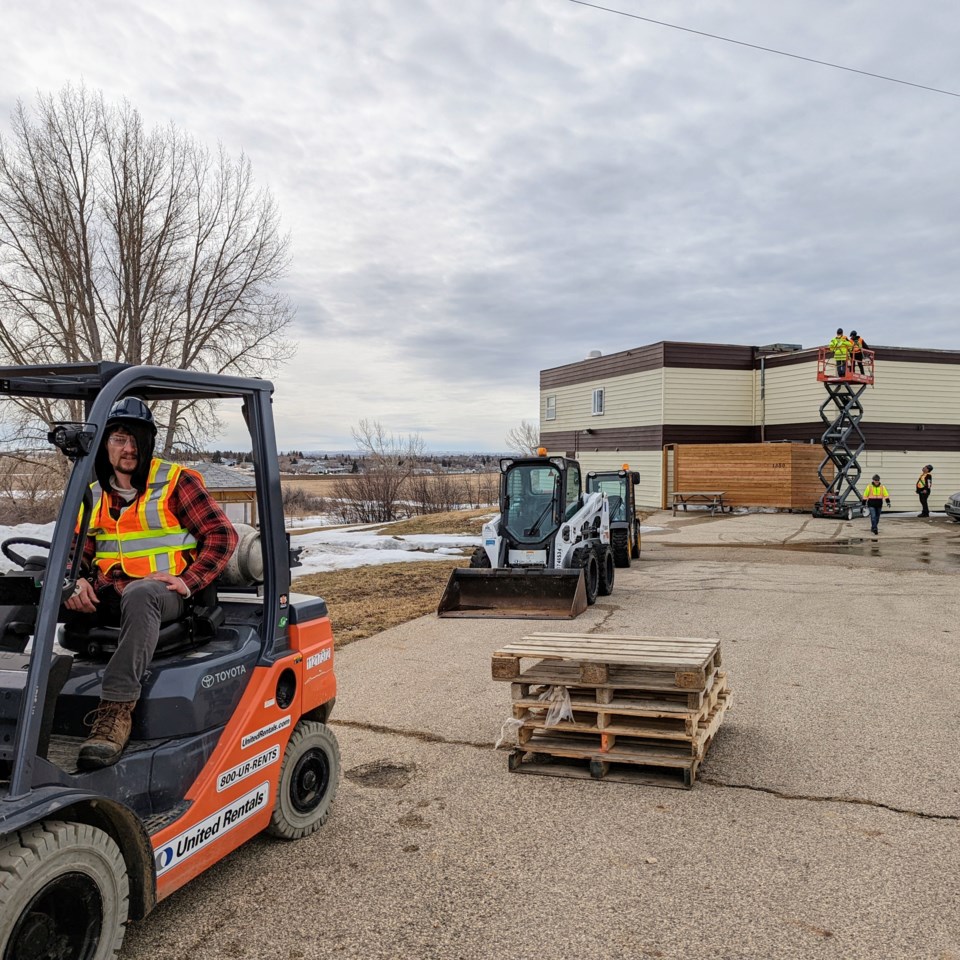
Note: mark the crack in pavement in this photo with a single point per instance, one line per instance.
(610, 610)
(814, 798)
(423, 735)
(426, 737)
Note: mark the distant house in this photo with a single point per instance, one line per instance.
(236, 492)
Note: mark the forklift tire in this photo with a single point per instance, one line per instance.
(607, 570)
(620, 541)
(586, 560)
(63, 893)
(308, 781)
(479, 559)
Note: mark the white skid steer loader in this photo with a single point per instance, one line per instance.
(547, 554)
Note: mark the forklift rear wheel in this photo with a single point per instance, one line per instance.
(64, 893)
(308, 781)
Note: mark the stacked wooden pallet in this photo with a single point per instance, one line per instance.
(645, 709)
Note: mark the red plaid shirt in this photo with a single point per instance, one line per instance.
(201, 515)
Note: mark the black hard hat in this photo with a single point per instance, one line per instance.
(839, 331)
(853, 333)
(876, 478)
(131, 411)
(928, 467)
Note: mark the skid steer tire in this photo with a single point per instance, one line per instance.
(586, 560)
(479, 559)
(64, 893)
(607, 569)
(620, 541)
(308, 781)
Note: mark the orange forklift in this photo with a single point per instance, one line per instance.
(230, 735)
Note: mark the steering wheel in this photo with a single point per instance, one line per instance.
(6, 548)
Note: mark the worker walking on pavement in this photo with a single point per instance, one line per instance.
(875, 495)
(841, 347)
(924, 486)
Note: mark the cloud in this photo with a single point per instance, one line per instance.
(479, 190)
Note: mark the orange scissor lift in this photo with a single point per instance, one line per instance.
(843, 440)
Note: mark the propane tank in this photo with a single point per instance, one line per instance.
(245, 567)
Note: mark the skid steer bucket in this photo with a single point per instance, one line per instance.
(514, 594)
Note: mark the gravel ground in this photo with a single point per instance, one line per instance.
(824, 822)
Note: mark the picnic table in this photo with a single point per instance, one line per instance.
(711, 499)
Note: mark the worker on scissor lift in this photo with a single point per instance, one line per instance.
(857, 346)
(841, 347)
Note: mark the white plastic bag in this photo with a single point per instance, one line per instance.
(509, 733)
(558, 697)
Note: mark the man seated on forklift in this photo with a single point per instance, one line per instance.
(156, 538)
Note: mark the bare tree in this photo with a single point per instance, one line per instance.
(524, 439)
(134, 245)
(374, 494)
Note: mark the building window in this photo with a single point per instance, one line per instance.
(598, 402)
(551, 407)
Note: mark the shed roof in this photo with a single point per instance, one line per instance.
(218, 477)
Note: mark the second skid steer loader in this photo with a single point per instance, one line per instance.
(547, 554)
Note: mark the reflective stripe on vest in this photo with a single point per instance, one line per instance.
(875, 493)
(147, 538)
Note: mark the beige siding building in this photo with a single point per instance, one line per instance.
(628, 407)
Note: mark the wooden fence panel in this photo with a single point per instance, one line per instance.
(780, 475)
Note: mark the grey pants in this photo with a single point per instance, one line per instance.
(144, 605)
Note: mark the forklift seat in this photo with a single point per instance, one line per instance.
(96, 637)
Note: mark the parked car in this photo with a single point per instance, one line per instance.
(952, 506)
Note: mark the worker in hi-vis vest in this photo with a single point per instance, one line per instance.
(841, 347)
(875, 494)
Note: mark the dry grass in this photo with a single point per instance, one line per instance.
(457, 521)
(365, 600)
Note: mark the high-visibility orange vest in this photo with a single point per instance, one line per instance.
(147, 538)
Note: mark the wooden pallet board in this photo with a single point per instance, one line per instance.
(595, 735)
(651, 663)
(547, 766)
(641, 703)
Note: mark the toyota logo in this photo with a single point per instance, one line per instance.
(207, 681)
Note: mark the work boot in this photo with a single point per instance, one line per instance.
(111, 723)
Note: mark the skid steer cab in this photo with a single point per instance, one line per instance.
(547, 554)
(619, 486)
(229, 736)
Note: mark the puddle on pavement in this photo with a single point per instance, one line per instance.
(941, 554)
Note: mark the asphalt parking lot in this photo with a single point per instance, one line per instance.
(825, 821)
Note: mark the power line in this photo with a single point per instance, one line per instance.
(756, 46)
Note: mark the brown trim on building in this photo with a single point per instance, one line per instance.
(887, 354)
(616, 438)
(710, 433)
(708, 356)
(601, 368)
(879, 436)
(714, 356)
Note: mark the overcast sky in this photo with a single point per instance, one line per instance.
(480, 189)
